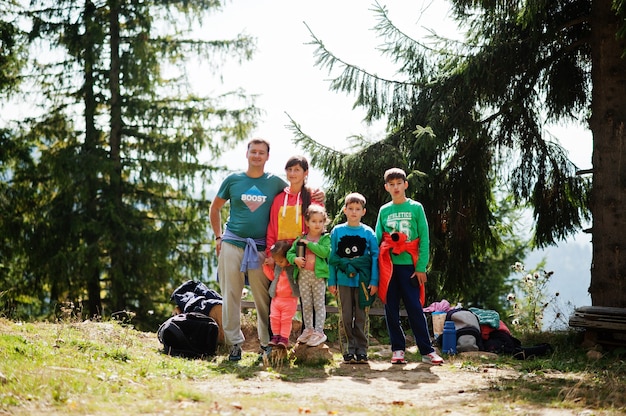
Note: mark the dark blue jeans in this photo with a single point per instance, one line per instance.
(402, 289)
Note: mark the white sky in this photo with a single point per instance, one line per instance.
(283, 74)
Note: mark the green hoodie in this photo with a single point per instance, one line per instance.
(321, 249)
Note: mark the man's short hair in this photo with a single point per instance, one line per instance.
(354, 198)
(258, 140)
(395, 173)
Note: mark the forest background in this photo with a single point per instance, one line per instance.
(289, 85)
(284, 76)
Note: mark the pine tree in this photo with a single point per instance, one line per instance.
(468, 120)
(13, 43)
(11, 48)
(123, 144)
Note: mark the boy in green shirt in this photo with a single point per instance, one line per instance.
(402, 232)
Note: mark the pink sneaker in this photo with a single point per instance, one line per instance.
(306, 335)
(398, 357)
(433, 359)
(316, 339)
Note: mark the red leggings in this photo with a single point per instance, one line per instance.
(282, 311)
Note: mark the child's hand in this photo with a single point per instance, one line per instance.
(299, 261)
(373, 290)
(421, 277)
(333, 290)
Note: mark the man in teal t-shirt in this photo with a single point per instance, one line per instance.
(241, 245)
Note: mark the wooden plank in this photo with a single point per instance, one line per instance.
(599, 319)
(619, 313)
(580, 322)
(247, 304)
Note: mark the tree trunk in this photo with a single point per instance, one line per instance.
(118, 298)
(608, 201)
(88, 157)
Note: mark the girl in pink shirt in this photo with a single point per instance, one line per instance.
(284, 293)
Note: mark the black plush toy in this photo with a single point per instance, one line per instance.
(350, 246)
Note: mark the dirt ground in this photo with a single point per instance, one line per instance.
(454, 388)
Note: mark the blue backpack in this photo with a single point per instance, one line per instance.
(190, 335)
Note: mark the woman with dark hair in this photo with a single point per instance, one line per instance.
(286, 220)
(287, 212)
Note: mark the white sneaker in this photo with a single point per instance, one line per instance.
(433, 359)
(306, 334)
(398, 357)
(316, 339)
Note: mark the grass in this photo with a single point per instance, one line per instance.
(97, 368)
(107, 368)
(568, 378)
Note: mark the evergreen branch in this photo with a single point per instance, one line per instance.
(308, 143)
(375, 93)
(326, 59)
(387, 29)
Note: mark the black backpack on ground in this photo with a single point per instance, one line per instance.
(501, 342)
(190, 335)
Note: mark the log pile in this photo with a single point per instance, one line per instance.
(605, 325)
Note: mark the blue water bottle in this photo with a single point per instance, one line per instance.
(448, 345)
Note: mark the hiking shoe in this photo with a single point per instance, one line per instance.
(274, 341)
(361, 358)
(316, 339)
(433, 359)
(265, 352)
(349, 358)
(398, 357)
(306, 334)
(283, 342)
(235, 353)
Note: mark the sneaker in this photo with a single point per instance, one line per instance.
(273, 341)
(433, 359)
(361, 358)
(316, 339)
(235, 353)
(349, 359)
(398, 357)
(306, 334)
(283, 342)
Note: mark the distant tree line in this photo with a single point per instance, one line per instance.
(103, 202)
(103, 183)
